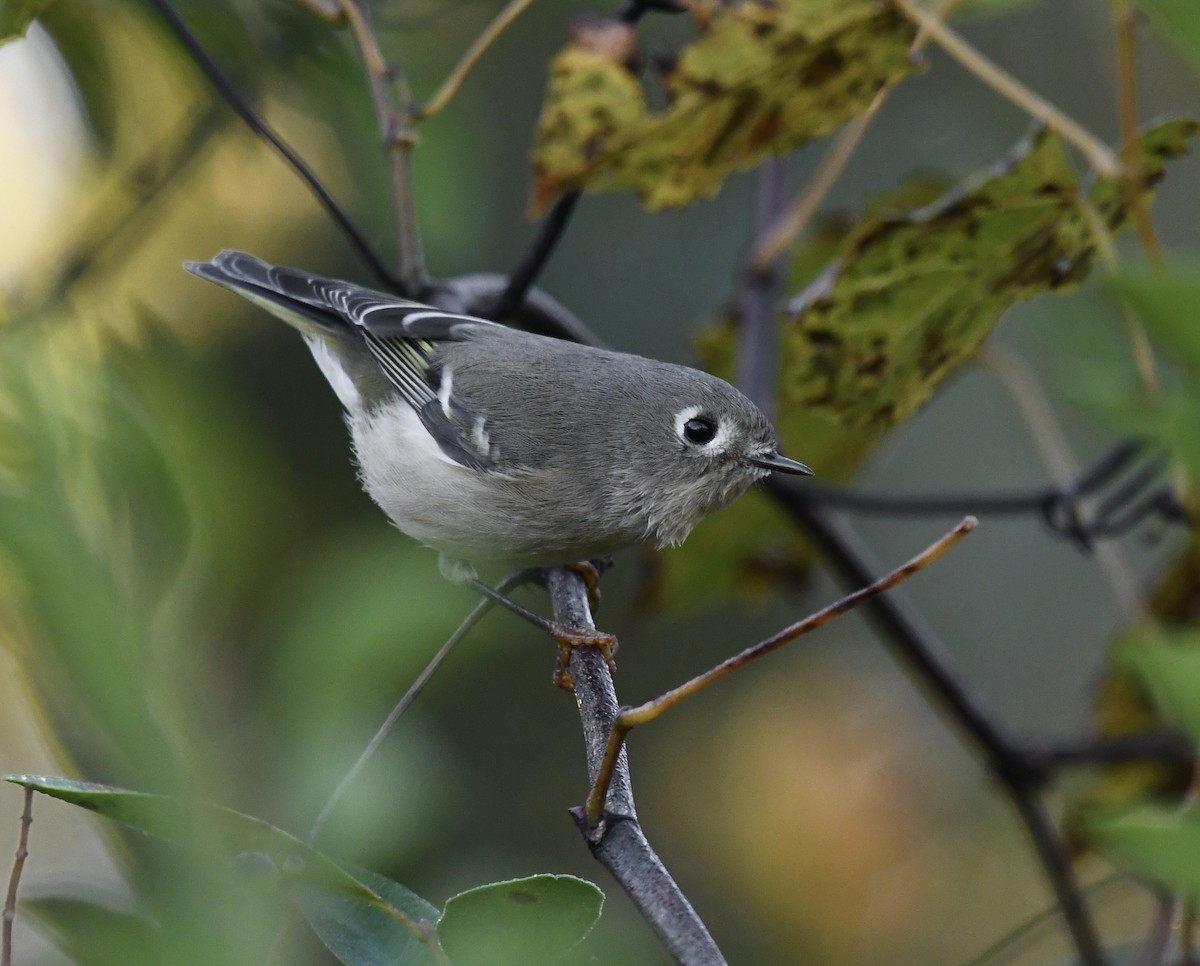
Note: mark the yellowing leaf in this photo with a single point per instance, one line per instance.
(764, 77)
(911, 296)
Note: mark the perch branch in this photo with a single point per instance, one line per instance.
(619, 843)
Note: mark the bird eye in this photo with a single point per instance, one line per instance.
(700, 430)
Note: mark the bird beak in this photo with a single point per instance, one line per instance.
(779, 464)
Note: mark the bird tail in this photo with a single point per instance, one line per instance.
(299, 298)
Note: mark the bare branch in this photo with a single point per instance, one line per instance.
(630, 718)
(391, 100)
(619, 843)
(233, 97)
(526, 273)
(14, 879)
(758, 315)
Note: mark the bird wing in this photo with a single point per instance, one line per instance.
(402, 337)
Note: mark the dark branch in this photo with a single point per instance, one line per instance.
(918, 648)
(619, 843)
(634, 10)
(1168, 747)
(479, 294)
(1065, 510)
(526, 274)
(233, 97)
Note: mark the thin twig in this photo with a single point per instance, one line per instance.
(480, 47)
(240, 106)
(14, 879)
(630, 718)
(1132, 175)
(1096, 152)
(391, 100)
(758, 315)
(620, 844)
(800, 213)
(422, 679)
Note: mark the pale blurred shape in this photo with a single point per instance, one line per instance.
(40, 150)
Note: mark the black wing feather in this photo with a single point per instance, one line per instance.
(400, 335)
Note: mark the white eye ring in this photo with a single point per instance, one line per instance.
(720, 427)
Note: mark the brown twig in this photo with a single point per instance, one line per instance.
(392, 103)
(1098, 156)
(1132, 174)
(630, 718)
(480, 47)
(10, 902)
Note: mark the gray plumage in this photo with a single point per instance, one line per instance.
(491, 444)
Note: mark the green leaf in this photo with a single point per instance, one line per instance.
(235, 834)
(360, 933)
(1178, 21)
(523, 922)
(1168, 666)
(1160, 843)
(17, 15)
(762, 78)
(92, 934)
(1166, 303)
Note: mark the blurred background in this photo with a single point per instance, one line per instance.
(195, 594)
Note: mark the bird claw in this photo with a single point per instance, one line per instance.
(569, 637)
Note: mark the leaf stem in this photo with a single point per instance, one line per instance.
(1098, 156)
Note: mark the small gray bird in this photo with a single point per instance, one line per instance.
(494, 445)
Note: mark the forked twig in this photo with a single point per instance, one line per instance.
(630, 718)
(10, 902)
